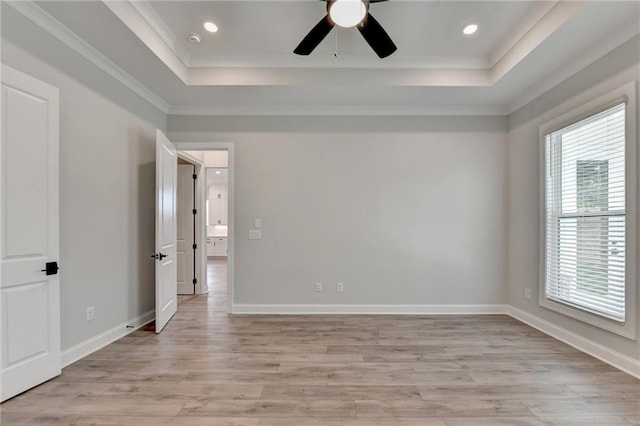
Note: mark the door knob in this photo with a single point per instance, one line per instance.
(159, 256)
(51, 268)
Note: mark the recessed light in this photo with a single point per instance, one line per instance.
(218, 172)
(470, 29)
(211, 27)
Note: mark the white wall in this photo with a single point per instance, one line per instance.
(218, 159)
(610, 72)
(107, 183)
(402, 210)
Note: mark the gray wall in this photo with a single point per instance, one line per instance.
(610, 72)
(402, 210)
(107, 183)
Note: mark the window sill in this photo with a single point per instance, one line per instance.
(627, 329)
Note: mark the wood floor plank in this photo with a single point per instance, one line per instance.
(138, 390)
(583, 407)
(475, 408)
(585, 420)
(538, 421)
(281, 421)
(492, 392)
(102, 405)
(124, 420)
(494, 421)
(611, 391)
(210, 368)
(497, 377)
(270, 408)
(349, 393)
(634, 420)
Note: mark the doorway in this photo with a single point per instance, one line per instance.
(214, 198)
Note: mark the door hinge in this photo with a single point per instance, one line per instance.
(195, 281)
(194, 211)
(195, 246)
(194, 176)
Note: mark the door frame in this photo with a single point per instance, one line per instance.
(229, 147)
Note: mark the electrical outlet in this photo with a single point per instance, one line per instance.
(527, 293)
(318, 286)
(91, 313)
(340, 287)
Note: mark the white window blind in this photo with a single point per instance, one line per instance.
(585, 214)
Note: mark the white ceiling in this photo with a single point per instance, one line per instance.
(214, 178)
(248, 67)
(427, 33)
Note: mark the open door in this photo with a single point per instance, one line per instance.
(186, 228)
(29, 283)
(166, 231)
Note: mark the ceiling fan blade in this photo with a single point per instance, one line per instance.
(315, 37)
(377, 37)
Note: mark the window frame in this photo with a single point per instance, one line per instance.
(626, 93)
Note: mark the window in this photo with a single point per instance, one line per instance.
(586, 211)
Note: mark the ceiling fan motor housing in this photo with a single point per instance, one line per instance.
(356, 14)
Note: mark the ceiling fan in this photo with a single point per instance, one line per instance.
(348, 14)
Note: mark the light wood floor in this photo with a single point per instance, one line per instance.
(208, 368)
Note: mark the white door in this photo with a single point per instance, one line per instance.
(29, 289)
(186, 229)
(166, 230)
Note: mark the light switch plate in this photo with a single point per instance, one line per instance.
(258, 223)
(255, 234)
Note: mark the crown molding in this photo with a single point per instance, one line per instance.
(131, 17)
(344, 110)
(520, 30)
(55, 28)
(341, 77)
(546, 26)
(158, 25)
(592, 55)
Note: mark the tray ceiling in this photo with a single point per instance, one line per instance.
(248, 66)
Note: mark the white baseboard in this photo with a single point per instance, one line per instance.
(290, 309)
(596, 350)
(79, 351)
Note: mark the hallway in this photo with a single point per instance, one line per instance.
(217, 283)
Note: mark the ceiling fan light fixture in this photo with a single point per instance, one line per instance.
(347, 13)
